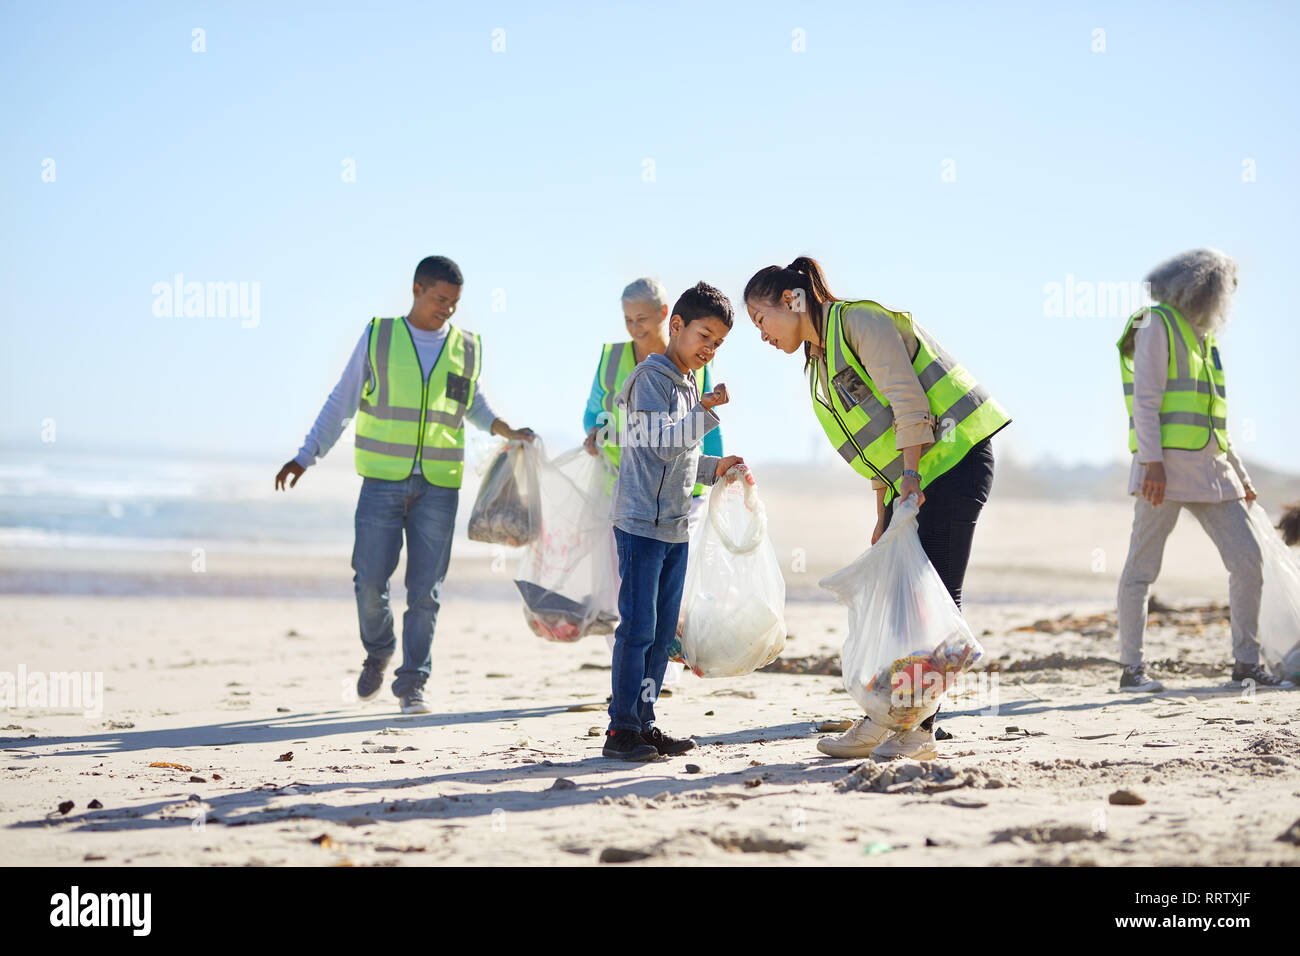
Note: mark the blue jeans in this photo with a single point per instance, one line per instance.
(649, 599)
(427, 514)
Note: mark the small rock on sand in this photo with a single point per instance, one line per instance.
(1291, 834)
(564, 783)
(692, 768)
(1126, 798)
(614, 854)
(834, 726)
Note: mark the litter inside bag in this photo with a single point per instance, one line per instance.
(506, 508)
(907, 642)
(567, 576)
(1279, 604)
(733, 598)
(559, 618)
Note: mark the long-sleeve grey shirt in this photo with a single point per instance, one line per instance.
(660, 462)
(1203, 474)
(343, 402)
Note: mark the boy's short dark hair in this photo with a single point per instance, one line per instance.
(703, 301)
(438, 269)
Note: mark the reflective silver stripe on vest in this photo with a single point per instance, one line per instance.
(471, 355)
(390, 413)
(1188, 418)
(396, 449)
(931, 373)
(960, 410)
(443, 418)
(894, 470)
(1186, 385)
(1181, 362)
(443, 454)
(400, 450)
(937, 350)
(382, 348)
(611, 374)
(395, 414)
(881, 421)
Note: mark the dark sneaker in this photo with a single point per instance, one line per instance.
(1134, 680)
(627, 745)
(372, 677)
(413, 702)
(665, 745)
(1262, 678)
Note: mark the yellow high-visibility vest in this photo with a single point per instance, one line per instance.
(1195, 403)
(859, 421)
(407, 417)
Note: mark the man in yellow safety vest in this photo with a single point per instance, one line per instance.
(411, 383)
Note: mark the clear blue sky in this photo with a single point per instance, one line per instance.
(526, 166)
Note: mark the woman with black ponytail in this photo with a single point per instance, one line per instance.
(904, 414)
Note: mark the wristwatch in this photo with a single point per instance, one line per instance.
(909, 473)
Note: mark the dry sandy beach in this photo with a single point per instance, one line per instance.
(227, 673)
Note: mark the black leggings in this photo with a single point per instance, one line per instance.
(946, 522)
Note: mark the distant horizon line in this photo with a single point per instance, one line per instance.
(1044, 462)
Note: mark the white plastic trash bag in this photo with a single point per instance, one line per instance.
(733, 599)
(506, 508)
(1279, 605)
(567, 577)
(907, 642)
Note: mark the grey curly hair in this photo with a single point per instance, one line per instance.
(646, 289)
(1199, 284)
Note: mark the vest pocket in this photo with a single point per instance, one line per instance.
(458, 388)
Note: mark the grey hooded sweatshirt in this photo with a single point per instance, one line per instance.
(664, 425)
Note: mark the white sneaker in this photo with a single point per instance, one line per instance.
(857, 741)
(917, 744)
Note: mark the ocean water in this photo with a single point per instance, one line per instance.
(94, 502)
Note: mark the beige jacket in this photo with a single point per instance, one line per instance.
(886, 353)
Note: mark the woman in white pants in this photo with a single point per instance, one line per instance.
(1182, 458)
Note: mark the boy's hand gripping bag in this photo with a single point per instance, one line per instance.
(733, 599)
(907, 642)
(566, 578)
(507, 508)
(1279, 605)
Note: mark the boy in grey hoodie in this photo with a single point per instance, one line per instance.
(665, 421)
